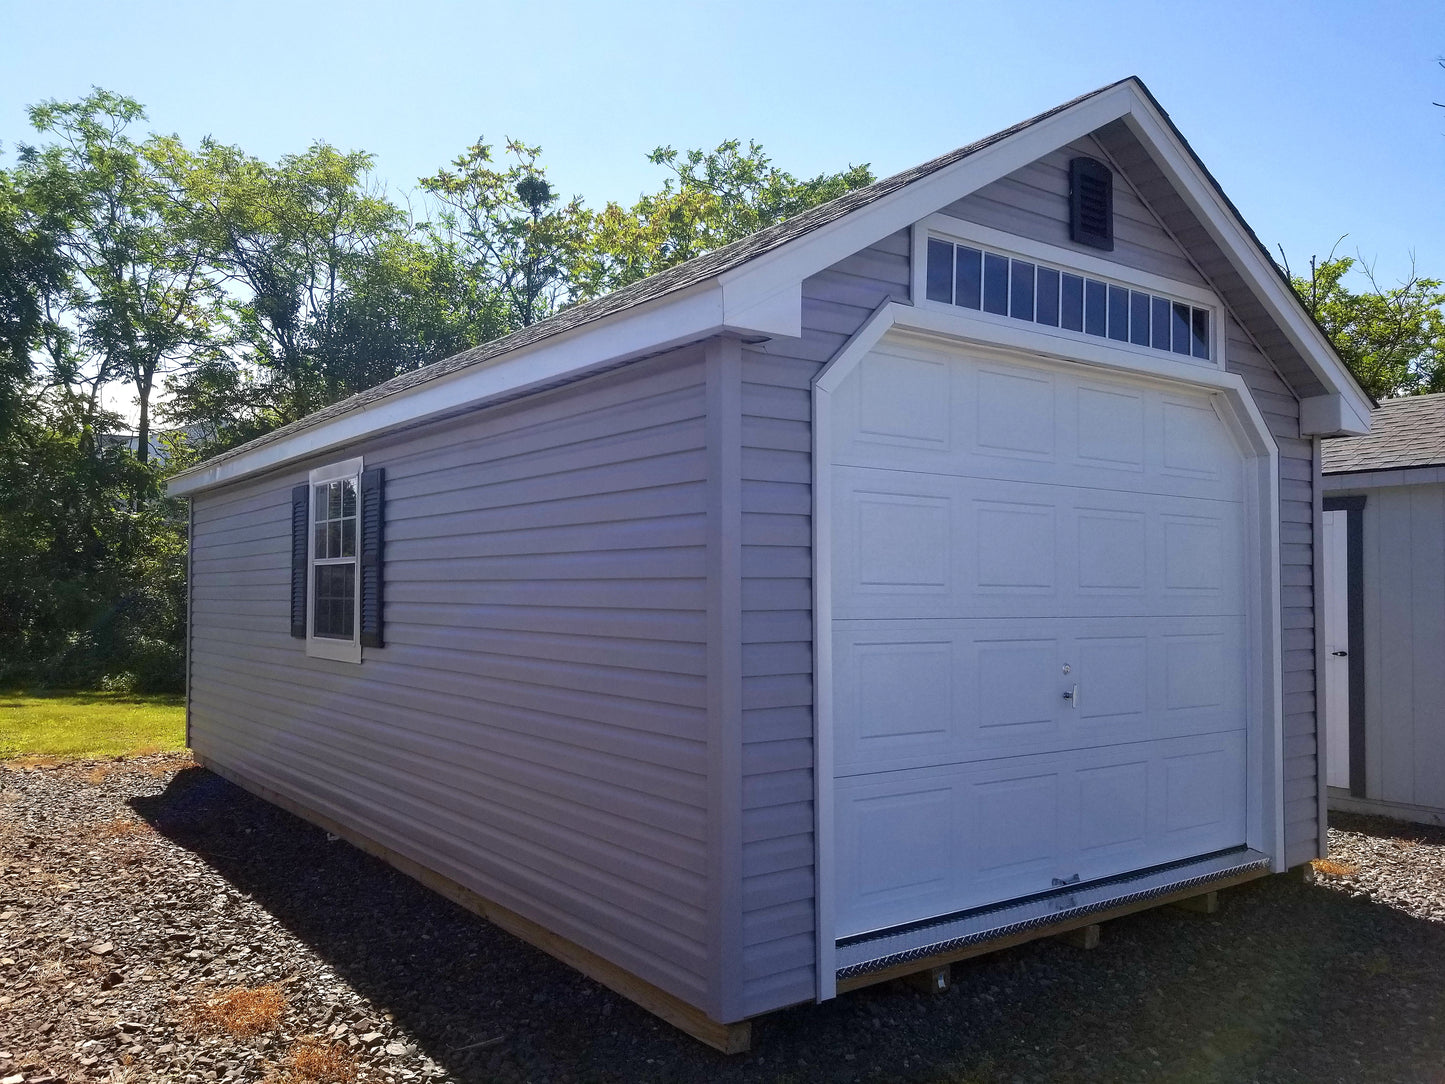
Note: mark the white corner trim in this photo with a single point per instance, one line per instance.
(1331, 416)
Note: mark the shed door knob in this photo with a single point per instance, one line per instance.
(1341, 654)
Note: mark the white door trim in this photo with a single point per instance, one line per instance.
(1236, 407)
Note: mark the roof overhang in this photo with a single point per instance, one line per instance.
(763, 296)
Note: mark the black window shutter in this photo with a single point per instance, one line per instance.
(373, 517)
(1091, 203)
(300, 531)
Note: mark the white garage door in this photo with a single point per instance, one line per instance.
(1039, 640)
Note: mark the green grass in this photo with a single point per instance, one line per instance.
(77, 725)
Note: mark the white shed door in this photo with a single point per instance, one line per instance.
(1039, 641)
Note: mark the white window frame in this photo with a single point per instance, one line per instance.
(947, 228)
(329, 647)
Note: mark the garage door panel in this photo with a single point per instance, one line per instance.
(928, 546)
(1038, 640)
(915, 844)
(1019, 423)
(910, 694)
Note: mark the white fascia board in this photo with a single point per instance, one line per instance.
(670, 321)
(1209, 207)
(1331, 416)
(841, 238)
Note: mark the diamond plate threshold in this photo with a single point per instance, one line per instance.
(901, 950)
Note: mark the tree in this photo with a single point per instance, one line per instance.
(30, 273)
(138, 298)
(1392, 338)
(516, 239)
(711, 199)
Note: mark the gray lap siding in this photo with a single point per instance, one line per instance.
(778, 788)
(536, 727)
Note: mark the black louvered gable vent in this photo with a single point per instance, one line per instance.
(1091, 203)
(300, 530)
(373, 521)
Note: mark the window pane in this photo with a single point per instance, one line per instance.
(968, 277)
(1021, 292)
(318, 541)
(319, 503)
(333, 500)
(1071, 302)
(334, 608)
(1118, 313)
(1139, 318)
(333, 538)
(348, 538)
(1095, 302)
(1047, 302)
(1180, 331)
(940, 270)
(1201, 333)
(348, 498)
(1160, 335)
(995, 283)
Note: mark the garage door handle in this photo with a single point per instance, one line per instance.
(1072, 696)
(1341, 654)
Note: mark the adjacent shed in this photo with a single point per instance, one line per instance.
(930, 571)
(1384, 613)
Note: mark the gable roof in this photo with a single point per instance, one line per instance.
(1408, 432)
(744, 286)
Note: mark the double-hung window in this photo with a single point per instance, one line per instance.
(336, 560)
(333, 613)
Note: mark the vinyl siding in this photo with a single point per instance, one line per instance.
(1404, 586)
(779, 947)
(1028, 201)
(536, 727)
(778, 786)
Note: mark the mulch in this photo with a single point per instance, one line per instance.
(135, 894)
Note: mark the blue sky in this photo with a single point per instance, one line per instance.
(1316, 118)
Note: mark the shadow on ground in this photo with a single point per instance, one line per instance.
(1288, 982)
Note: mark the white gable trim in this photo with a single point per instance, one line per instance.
(764, 296)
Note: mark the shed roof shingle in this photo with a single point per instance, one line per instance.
(1407, 432)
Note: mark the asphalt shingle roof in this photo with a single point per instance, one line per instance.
(674, 279)
(1407, 432)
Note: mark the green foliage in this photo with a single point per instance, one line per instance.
(711, 199)
(92, 564)
(1392, 338)
(230, 295)
(515, 239)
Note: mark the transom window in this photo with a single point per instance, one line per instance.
(975, 278)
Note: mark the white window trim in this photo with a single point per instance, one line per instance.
(947, 228)
(327, 647)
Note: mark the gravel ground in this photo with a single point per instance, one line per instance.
(134, 894)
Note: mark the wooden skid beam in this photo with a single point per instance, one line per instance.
(1085, 937)
(982, 948)
(728, 1038)
(1204, 904)
(936, 980)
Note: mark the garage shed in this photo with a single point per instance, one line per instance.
(928, 572)
(1383, 613)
